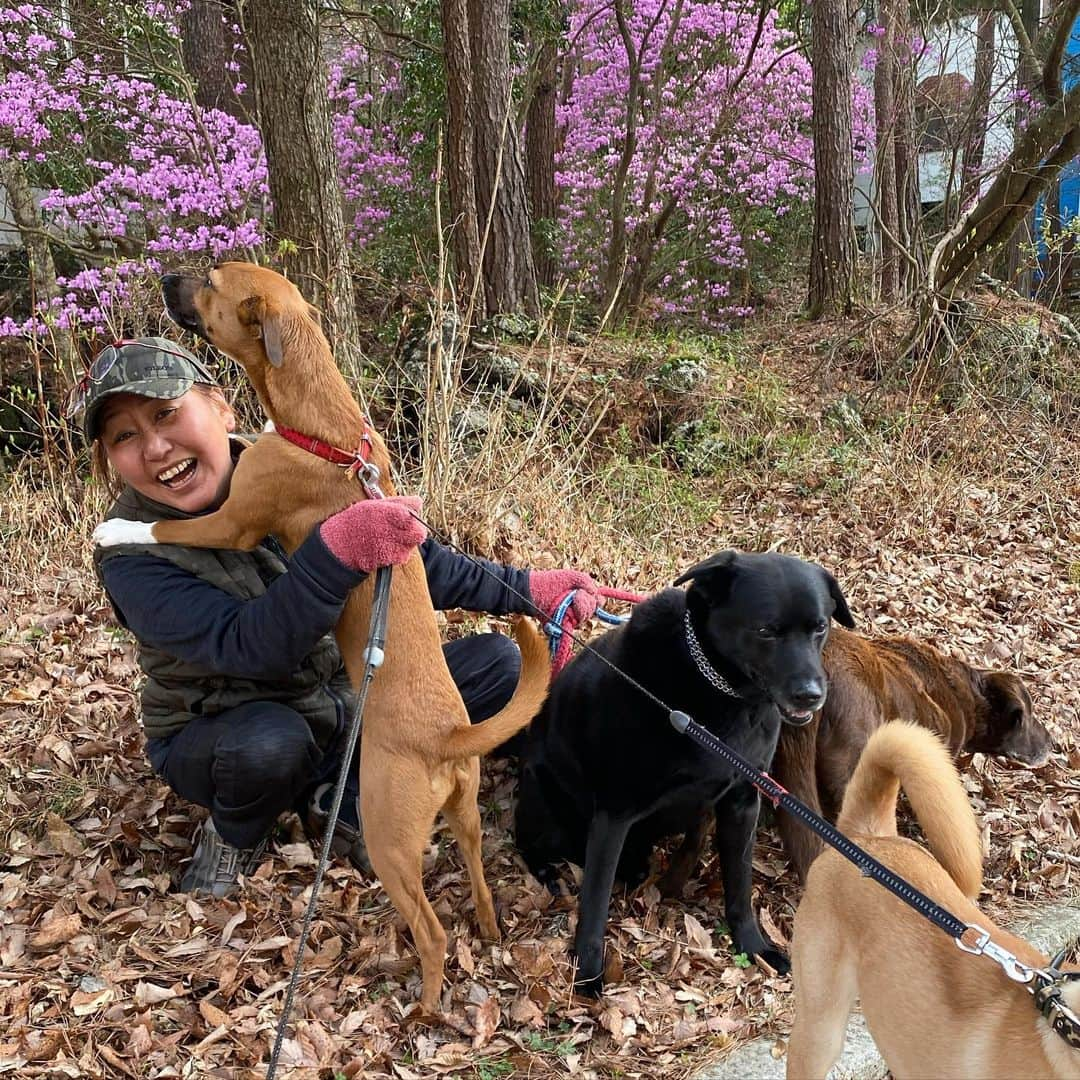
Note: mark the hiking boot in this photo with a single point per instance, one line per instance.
(348, 840)
(216, 865)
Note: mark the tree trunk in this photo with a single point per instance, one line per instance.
(42, 266)
(833, 254)
(509, 271)
(617, 245)
(202, 42)
(908, 196)
(540, 160)
(294, 117)
(460, 145)
(885, 76)
(1028, 78)
(978, 118)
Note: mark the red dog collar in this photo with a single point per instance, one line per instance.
(358, 462)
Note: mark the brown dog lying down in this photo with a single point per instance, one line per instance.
(873, 680)
(419, 752)
(933, 1010)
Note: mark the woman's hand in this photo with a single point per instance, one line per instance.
(374, 532)
(547, 588)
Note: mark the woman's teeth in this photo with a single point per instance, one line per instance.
(178, 470)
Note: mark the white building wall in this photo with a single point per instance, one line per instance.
(950, 48)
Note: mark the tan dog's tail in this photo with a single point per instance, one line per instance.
(905, 755)
(479, 739)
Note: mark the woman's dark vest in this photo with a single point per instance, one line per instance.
(175, 690)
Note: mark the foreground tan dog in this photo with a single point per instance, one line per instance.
(874, 680)
(419, 752)
(933, 1010)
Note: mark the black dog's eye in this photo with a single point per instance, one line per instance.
(766, 632)
(820, 626)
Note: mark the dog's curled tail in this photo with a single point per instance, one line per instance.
(901, 754)
(479, 739)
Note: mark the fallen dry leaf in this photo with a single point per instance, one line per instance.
(56, 932)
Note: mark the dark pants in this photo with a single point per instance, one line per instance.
(250, 764)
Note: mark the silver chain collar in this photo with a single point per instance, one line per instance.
(702, 661)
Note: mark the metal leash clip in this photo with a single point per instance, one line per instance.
(1013, 968)
(367, 472)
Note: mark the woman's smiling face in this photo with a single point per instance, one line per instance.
(172, 450)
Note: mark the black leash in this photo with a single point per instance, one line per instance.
(373, 657)
(1044, 983)
(780, 796)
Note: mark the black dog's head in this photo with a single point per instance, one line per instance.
(767, 617)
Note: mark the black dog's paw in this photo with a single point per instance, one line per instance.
(589, 977)
(751, 944)
(549, 877)
(777, 960)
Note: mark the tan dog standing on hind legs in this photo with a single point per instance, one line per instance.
(933, 1010)
(419, 752)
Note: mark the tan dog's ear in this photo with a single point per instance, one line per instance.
(250, 312)
(264, 323)
(271, 335)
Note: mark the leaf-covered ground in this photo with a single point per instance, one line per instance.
(959, 527)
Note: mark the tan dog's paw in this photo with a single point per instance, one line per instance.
(118, 531)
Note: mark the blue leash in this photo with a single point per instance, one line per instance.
(554, 629)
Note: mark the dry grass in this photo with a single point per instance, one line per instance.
(955, 522)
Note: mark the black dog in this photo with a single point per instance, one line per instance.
(605, 776)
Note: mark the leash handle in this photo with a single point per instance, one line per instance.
(560, 628)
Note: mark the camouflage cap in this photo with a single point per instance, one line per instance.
(151, 367)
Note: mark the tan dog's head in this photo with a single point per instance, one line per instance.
(1006, 725)
(260, 319)
(246, 311)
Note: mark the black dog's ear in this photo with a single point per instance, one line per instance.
(711, 571)
(840, 613)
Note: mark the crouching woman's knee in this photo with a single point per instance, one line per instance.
(270, 749)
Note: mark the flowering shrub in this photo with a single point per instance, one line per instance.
(128, 167)
(144, 178)
(718, 148)
(374, 162)
(723, 136)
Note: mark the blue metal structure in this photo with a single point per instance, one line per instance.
(1070, 175)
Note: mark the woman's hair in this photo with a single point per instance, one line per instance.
(100, 468)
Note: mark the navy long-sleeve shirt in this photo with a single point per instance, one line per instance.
(170, 608)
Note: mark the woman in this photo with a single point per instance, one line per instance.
(246, 700)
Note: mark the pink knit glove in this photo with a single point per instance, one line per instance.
(374, 532)
(548, 587)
